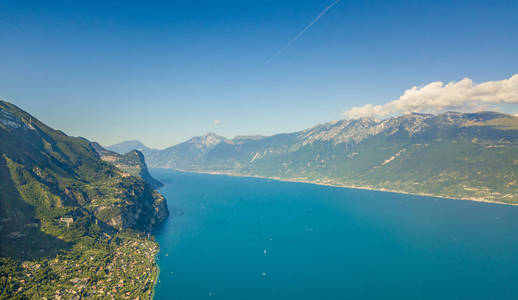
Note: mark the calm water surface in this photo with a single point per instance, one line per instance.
(247, 238)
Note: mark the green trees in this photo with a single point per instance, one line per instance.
(66, 215)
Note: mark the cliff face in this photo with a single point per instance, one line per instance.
(138, 207)
(69, 220)
(48, 177)
(131, 163)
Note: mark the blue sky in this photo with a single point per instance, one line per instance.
(162, 72)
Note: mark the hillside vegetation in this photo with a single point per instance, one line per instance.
(72, 225)
(458, 155)
(130, 163)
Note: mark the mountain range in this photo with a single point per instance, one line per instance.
(73, 215)
(457, 155)
(76, 218)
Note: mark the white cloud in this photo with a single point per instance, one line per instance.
(217, 122)
(437, 97)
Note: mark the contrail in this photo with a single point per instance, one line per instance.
(320, 15)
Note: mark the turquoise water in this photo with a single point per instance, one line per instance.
(329, 243)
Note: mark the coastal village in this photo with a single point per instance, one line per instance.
(124, 268)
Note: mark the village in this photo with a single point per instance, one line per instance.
(125, 268)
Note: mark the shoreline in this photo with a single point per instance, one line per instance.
(295, 180)
(155, 282)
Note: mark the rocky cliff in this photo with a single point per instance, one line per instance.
(131, 163)
(59, 201)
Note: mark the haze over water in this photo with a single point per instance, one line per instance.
(248, 238)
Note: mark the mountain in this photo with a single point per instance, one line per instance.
(131, 163)
(127, 146)
(186, 154)
(72, 225)
(458, 155)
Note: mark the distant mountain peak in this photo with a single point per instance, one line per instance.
(211, 134)
(207, 140)
(134, 143)
(127, 146)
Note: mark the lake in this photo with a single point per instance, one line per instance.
(249, 238)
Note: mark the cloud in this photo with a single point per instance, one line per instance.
(437, 97)
(320, 15)
(217, 122)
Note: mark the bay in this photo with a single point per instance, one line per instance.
(249, 238)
